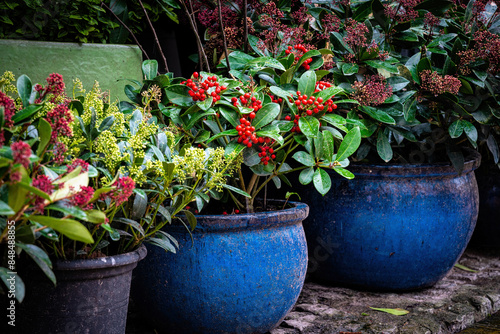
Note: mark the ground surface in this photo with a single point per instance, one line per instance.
(458, 302)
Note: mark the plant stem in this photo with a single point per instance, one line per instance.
(219, 6)
(126, 27)
(192, 23)
(245, 33)
(155, 36)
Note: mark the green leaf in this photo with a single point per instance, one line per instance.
(131, 94)
(322, 181)
(191, 218)
(231, 132)
(397, 83)
(266, 115)
(394, 311)
(150, 69)
(307, 83)
(441, 40)
(68, 210)
(95, 216)
(470, 131)
(106, 123)
(385, 65)
(350, 68)
(462, 267)
(35, 191)
(328, 145)
(456, 129)
(304, 158)
(24, 88)
(384, 148)
(350, 144)
(411, 65)
(6, 275)
(309, 126)
(378, 114)
(69, 227)
(26, 113)
(265, 62)
(306, 175)
(344, 172)
(5, 209)
(132, 223)
(178, 94)
(236, 190)
(45, 133)
(41, 259)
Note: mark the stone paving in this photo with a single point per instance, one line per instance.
(457, 302)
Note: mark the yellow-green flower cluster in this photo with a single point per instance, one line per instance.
(107, 145)
(139, 139)
(189, 165)
(220, 167)
(136, 173)
(6, 82)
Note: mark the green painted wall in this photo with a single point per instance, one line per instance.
(110, 64)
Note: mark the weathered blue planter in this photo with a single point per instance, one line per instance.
(393, 227)
(239, 274)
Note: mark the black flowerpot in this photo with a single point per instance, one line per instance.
(91, 296)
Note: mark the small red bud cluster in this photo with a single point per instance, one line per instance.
(267, 152)
(300, 50)
(201, 90)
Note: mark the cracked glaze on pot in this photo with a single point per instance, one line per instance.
(393, 227)
(240, 274)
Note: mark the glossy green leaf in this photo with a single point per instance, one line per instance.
(41, 259)
(350, 144)
(464, 268)
(69, 227)
(456, 129)
(95, 216)
(306, 175)
(178, 94)
(236, 190)
(68, 210)
(266, 115)
(45, 133)
(307, 83)
(24, 88)
(150, 69)
(378, 114)
(309, 126)
(328, 145)
(322, 181)
(26, 113)
(470, 131)
(304, 158)
(5, 209)
(132, 223)
(344, 172)
(6, 275)
(384, 148)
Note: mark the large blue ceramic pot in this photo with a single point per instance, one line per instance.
(393, 227)
(236, 274)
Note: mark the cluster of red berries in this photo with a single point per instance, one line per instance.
(266, 154)
(249, 101)
(199, 90)
(320, 85)
(295, 127)
(246, 132)
(311, 105)
(274, 99)
(300, 50)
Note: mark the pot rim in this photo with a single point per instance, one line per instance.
(103, 262)
(415, 170)
(277, 218)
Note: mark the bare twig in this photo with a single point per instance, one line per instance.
(155, 36)
(126, 27)
(245, 22)
(192, 22)
(219, 5)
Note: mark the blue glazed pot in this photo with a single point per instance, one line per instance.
(393, 227)
(238, 274)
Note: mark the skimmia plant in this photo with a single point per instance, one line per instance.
(278, 116)
(82, 179)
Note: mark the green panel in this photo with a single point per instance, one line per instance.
(110, 64)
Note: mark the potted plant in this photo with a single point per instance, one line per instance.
(243, 266)
(91, 39)
(397, 226)
(69, 168)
